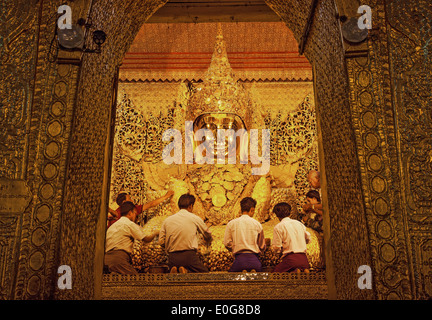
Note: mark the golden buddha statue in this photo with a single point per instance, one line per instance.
(219, 175)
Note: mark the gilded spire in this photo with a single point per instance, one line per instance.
(220, 91)
(219, 31)
(220, 68)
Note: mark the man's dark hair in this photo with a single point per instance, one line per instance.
(121, 197)
(126, 207)
(282, 210)
(247, 203)
(313, 194)
(185, 201)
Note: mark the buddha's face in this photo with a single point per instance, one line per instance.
(221, 129)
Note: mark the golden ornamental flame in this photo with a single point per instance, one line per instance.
(220, 92)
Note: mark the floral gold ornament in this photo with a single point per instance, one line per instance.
(219, 200)
(220, 91)
(219, 102)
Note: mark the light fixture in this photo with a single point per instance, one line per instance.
(74, 39)
(99, 37)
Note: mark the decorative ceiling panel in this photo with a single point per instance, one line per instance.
(179, 51)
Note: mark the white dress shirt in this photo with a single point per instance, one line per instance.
(180, 231)
(244, 234)
(290, 235)
(121, 235)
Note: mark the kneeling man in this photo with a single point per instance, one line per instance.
(179, 237)
(290, 236)
(244, 236)
(120, 239)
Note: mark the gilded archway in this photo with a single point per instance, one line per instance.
(373, 122)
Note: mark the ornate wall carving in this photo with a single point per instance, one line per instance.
(213, 286)
(37, 108)
(289, 114)
(392, 125)
(36, 115)
(342, 188)
(382, 218)
(16, 91)
(409, 45)
(83, 207)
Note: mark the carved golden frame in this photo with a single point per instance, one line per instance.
(215, 286)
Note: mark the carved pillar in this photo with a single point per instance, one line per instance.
(85, 200)
(40, 116)
(409, 39)
(37, 103)
(392, 125)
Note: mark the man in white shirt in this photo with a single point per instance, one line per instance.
(290, 236)
(179, 237)
(120, 239)
(244, 236)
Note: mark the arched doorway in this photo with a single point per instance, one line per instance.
(347, 245)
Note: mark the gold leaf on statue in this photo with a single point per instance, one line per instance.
(219, 200)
